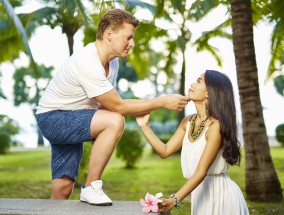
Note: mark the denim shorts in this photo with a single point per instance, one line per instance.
(66, 132)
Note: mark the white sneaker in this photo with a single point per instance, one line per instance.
(94, 194)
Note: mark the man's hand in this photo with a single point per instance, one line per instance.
(174, 101)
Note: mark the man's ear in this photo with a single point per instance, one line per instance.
(108, 34)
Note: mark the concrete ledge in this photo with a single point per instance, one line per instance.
(62, 207)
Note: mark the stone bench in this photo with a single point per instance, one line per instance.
(62, 207)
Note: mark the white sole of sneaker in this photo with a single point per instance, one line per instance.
(98, 204)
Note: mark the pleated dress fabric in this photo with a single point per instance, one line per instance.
(217, 194)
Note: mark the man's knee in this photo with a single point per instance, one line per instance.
(104, 120)
(114, 121)
(119, 121)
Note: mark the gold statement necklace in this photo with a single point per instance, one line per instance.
(196, 134)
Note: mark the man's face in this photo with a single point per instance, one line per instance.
(122, 40)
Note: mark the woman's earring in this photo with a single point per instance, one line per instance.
(206, 108)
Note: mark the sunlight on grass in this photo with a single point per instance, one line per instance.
(26, 174)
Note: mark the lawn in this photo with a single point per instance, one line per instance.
(26, 174)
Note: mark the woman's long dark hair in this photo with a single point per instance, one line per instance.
(221, 105)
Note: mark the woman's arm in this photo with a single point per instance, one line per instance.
(213, 145)
(163, 149)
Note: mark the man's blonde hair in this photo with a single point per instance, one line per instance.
(115, 19)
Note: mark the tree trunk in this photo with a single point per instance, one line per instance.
(40, 140)
(262, 183)
(70, 38)
(181, 114)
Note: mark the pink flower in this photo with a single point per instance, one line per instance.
(150, 204)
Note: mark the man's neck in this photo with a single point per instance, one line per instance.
(104, 53)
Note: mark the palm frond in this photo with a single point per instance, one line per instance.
(200, 8)
(277, 54)
(83, 11)
(21, 31)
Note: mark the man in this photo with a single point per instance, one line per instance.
(81, 104)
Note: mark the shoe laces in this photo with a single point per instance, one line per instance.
(98, 191)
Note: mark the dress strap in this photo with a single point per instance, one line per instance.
(210, 124)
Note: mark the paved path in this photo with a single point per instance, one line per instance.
(62, 207)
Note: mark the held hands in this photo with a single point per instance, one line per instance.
(174, 101)
(143, 120)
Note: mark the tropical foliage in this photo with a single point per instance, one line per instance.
(170, 24)
(27, 88)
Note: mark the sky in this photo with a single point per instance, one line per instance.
(49, 47)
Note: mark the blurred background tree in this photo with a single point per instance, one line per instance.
(8, 128)
(27, 89)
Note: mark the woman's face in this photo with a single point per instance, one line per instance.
(197, 90)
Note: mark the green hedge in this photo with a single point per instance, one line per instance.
(280, 134)
(130, 147)
(4, 143)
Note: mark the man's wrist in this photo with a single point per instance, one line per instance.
(159, 101)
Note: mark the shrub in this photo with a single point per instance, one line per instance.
(4, 142)
(280, 134)
(130, 147)
(8, 127)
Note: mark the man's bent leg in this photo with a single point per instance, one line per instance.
(62, 187)
(106, 127)
(66, 132)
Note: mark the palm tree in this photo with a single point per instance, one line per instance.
(14, 48)
(70, 15)
(262, 183)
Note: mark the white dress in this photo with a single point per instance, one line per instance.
(217, 194)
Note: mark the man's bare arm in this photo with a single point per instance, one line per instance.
(113, 102)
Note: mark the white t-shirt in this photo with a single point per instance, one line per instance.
(81, 78)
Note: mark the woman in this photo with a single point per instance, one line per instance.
(209, 146)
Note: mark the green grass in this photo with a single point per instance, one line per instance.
(26, 174)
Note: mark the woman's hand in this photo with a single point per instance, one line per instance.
(166, 205)
(143, 119)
